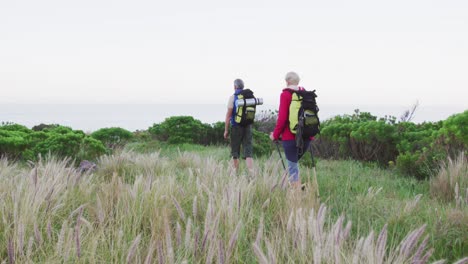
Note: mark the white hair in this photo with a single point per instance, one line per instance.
(238, 84)
(292, 78)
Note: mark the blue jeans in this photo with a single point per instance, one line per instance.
(292, 155)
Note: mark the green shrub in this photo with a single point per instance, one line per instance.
(112, 137)
(325, 148)
(338, 130)
(374, 141)
(60, 144)
(142, 136)
(19, 142)
(13, 143)
(91, 149)
(423, 147)
(262, 145)
(178, 130)
(453, 135)
(265, 121)
(15, 139)
(213, 135)
(417, 149)
(413, 164)
(359, 136)
(15, 127)
(41, 127)
(415, 137)
(186, 129)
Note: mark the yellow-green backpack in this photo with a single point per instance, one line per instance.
(245, 115)
(303, 114)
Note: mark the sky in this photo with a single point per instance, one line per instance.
(360, 52)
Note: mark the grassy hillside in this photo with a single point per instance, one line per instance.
(189, 206)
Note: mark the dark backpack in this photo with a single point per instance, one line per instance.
(245, 115)
(303, 115)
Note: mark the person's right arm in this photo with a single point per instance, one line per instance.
(226, 122)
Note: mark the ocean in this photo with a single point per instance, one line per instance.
(91, 117)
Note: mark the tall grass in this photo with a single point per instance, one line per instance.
(451, 182)
(187, 207)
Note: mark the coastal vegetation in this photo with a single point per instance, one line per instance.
(390, 192)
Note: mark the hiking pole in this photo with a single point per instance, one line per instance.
(313, 169)
(282, 162)
(279, 152)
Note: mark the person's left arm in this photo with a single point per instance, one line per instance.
(283, 115)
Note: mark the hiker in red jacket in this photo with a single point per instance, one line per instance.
(283, 133)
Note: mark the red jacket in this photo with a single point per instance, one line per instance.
(282, 124)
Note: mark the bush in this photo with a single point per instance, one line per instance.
(112, 137)
(19, 142)
(339, 133)
(325, 148)
(13, 143)
(417, 149)
(213, 135)
(60, 144)
(91, 149)
(178, 130)
(186, 129)
(15, 139)
(412, 146)
(15, 127)
(65, 142)
(359, 136)
(413, 164)
(44, 126)
(415, 137)
(262, 145)
(265, 121)
(339, 128)
(142, 135)
(374, 141)
(453, 135)
(423, 147)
